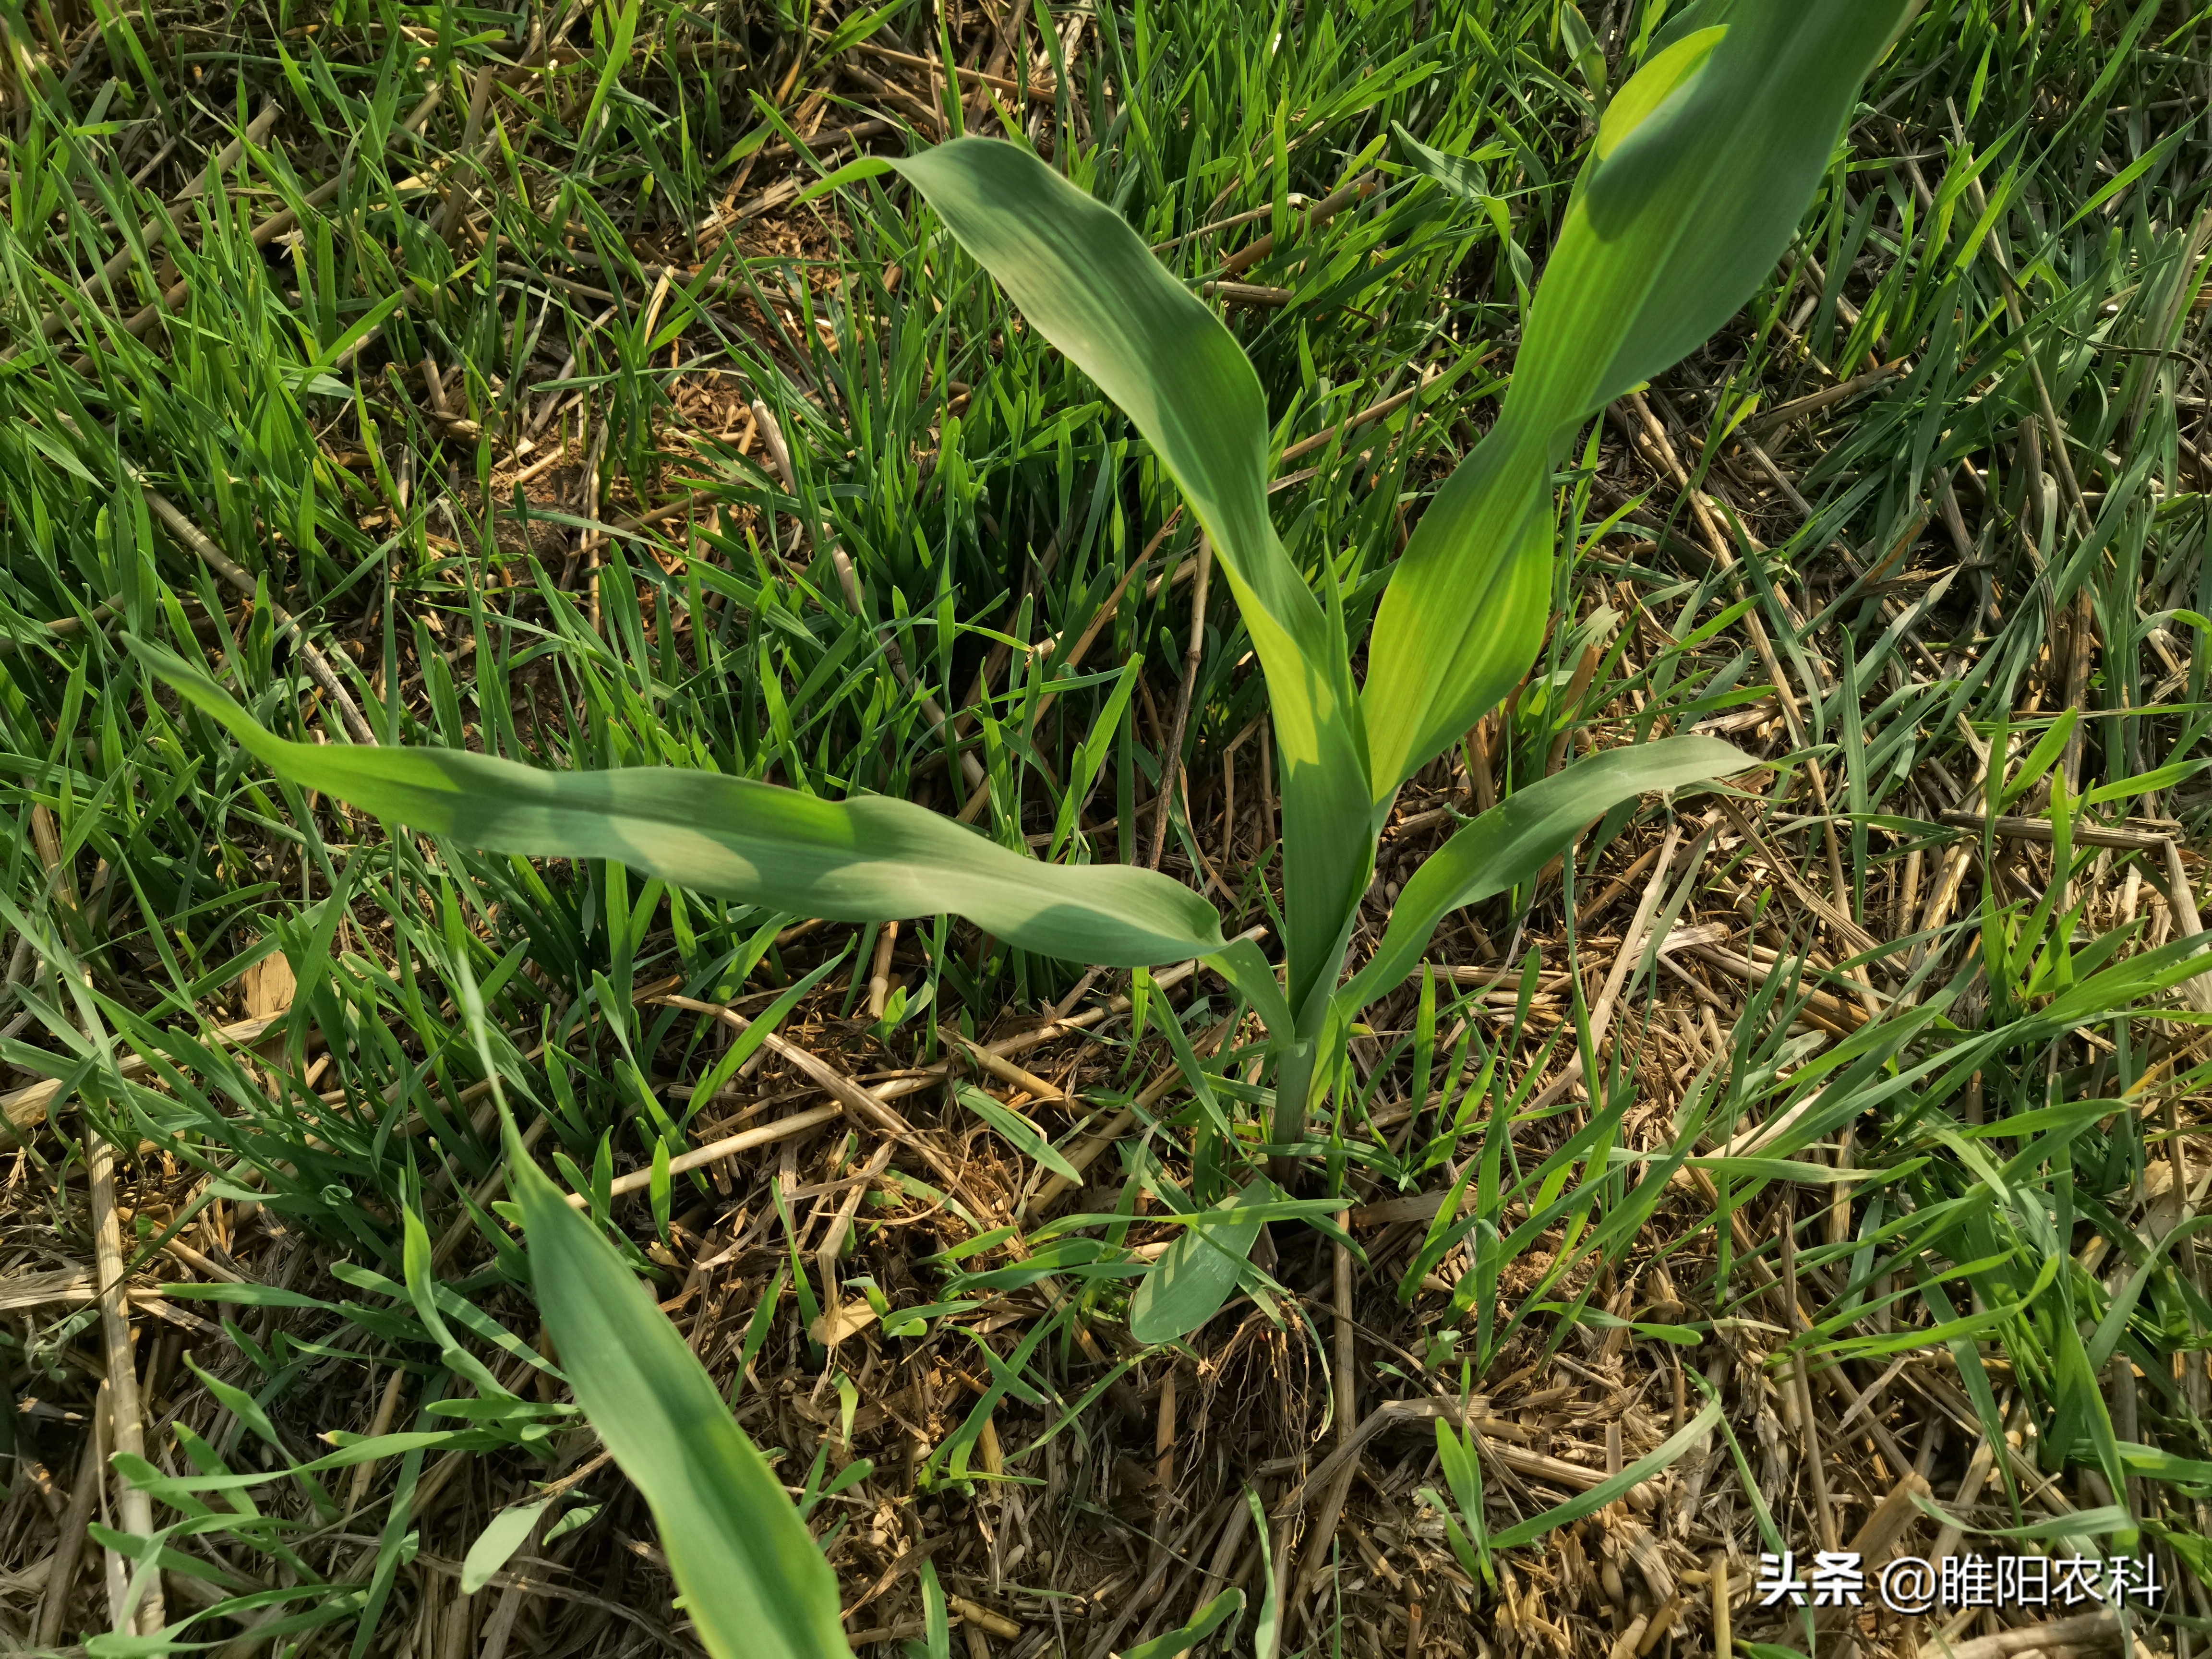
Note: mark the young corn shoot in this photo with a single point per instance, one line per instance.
(1703, 163)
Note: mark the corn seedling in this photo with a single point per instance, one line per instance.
(1702, 163)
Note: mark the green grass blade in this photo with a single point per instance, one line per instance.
(1590, 1503)
(1017, 1132)
(1215, 1614)
(502, 1536)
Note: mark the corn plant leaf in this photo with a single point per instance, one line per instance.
(1252, 977)
(1652, 86)
(1087, 282)
(1483, 549)
(1696, 200)
(1707, 158)
(753, 1580)
(1187, 1285)
(1515, 839)
(864, 860)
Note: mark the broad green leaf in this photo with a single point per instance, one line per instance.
(1651, 86)
(1463, 1471)
(1090, 286)
(864, 860)
(1704, 175)
(576, 1521)
(1252, 977)
(1482, 550)
(496, 1544)
(1582, 49)
(753, 1580)
(1514, 840)
(1187, 1285)
(1671, 232)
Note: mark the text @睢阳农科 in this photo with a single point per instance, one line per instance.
(1912, 1583)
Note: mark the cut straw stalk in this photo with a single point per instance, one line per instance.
(874, 1104)
(133, 1507)
(75, 1523)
